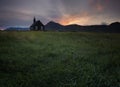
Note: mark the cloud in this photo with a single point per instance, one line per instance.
(82, 18)
(21, 12)
(106, 6)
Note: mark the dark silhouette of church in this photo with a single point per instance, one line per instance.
(37, 25)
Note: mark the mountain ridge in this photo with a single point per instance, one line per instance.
(54, 26)
(113, 27)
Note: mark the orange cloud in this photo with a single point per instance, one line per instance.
(99, 7)
(74, 19)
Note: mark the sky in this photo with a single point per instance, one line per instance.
(65, 12)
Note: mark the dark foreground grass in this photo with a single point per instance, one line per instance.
(59, 59)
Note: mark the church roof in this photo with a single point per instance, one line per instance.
(37, 23)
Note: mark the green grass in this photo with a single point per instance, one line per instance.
(59, 59)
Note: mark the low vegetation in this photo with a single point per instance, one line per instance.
(59, 59)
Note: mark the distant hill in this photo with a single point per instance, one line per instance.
(112, 28)
(16, 29)
(53, 26)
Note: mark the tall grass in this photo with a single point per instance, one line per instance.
(59, 59)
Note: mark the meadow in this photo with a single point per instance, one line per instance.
(59, 59)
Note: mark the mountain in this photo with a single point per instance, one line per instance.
(112, 28)
(53, 26)
(115, 24)
(17, 29)
(72, 27)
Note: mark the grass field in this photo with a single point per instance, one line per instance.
(59, 59)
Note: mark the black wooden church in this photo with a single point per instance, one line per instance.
(37, 25)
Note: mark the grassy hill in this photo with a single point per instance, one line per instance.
(59, 59)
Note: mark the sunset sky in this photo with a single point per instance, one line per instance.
(82, 12)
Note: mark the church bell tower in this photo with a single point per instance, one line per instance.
(34, 20)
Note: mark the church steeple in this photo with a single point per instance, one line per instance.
(34, 20)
